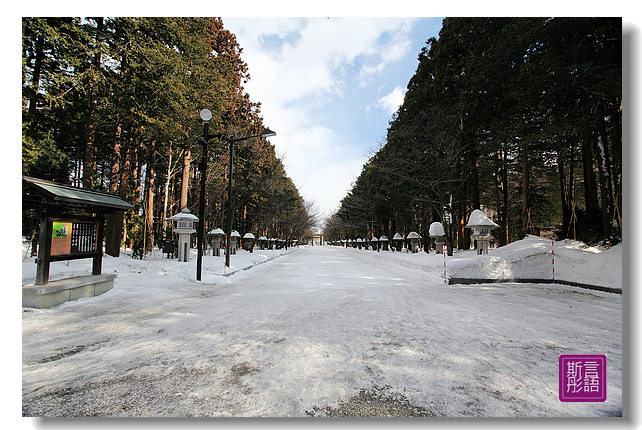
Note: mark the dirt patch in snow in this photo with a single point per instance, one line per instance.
(374, 402)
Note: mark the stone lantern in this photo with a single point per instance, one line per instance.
(383, 242)
(234, 238)
(481, 226)
(437, 233)
(217, 236)
(248, 242)
(263, 242)
(184, 226)
(414, 241)
(397, 241)
(375, 243)
(359, 243)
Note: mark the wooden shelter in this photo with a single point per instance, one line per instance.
(71, 227)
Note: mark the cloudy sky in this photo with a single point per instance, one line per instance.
(328, 87)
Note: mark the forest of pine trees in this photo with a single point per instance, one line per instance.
(112, 104)
(519, 116)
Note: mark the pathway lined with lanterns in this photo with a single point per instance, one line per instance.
(307, 332)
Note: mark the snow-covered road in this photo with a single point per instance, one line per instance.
(318, 332)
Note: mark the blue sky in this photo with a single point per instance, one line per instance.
(328, 87)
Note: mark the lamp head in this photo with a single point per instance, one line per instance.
(206, 115)
(268, 133)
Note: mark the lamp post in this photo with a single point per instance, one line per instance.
(206, 116)
(266, 133)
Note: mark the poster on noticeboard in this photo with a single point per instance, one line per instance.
(68, 238)
(61, 238)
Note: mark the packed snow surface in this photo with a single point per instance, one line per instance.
(317, 329)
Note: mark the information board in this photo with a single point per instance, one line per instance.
(73, 237)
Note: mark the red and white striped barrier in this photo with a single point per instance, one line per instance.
(553, 258)
(444, 252)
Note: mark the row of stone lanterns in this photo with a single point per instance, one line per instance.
(184, 227)
(217, 237)
(478, 222)
(381, 243)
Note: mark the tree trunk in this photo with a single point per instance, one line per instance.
(525, 182)
(89, 167)
(501, 181)
(604, 167)
(590, 185)
(149, 190)
(37, 68)
(187, 161)
(138, 163)
(114, 228)
(474, 180)
(564, 197)
(122, 191)
(504, 239)
(615, 123)
(166, 199)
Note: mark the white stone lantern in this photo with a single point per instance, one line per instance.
(248, 242)
(481, 226)
(436, 231)
(414, 241)
(383, 241)
(184, 226)
(397, 241)
(375, 243)
(217, 236)
(234, 238)
(263, 242)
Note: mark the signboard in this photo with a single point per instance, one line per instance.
(72, 237)
(61, 238)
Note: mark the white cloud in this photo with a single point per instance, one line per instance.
(391, 102)
(299, 65)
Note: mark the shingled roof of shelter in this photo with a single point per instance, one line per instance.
(35, 192)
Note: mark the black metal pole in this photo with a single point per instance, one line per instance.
(201, 209)
(229, 204)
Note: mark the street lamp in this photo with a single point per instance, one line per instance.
(266, 133)
(206, 116)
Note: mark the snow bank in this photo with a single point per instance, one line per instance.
(530, 258)
(156, 267)
(534, 258)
